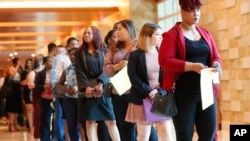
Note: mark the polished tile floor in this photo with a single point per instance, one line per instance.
(21, 135)
(24, 135)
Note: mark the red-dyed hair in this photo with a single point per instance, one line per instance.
(188, 5)
(96, 41)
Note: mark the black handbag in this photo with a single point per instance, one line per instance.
(164, 102)
(164, 105)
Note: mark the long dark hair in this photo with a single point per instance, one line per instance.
(36, 64)
(14, 61)
(96, 40)
(130, 26)
(26, 67)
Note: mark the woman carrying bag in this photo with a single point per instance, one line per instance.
(143, 71)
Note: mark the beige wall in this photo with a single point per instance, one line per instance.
(143, 11)
(229, 22)
(140, 11)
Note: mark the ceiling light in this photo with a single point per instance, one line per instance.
(11, 34)
(61, 4)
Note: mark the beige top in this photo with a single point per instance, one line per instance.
(152, 68)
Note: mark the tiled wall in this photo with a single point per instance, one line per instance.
(143, 11)
(229, 22)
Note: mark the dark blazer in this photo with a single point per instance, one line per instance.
(137, 72)
(40, 81)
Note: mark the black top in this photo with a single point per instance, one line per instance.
(24, 74)
(40, 81)
(196, 51)
(88, 67)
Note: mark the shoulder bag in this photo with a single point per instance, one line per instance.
(164, 102)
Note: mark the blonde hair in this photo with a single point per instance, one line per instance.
(146, 33)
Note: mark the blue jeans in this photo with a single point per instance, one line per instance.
(58, 120)
(190, 114)
(45, 116)
(70, 109)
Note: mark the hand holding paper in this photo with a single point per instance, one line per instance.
(208, 77)
(121, 81)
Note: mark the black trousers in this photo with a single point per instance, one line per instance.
(190, 114)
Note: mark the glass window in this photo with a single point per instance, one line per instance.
(160, 9)
(168, 13)
(169, 7)
(161, 23)
(176, 7)
(168, 23)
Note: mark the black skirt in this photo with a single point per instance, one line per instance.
(89, 109)
(14, 99)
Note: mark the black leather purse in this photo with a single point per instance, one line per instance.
(164, 102)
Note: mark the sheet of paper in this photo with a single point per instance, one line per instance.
(216, 79)
(121, 81)
(207, 96)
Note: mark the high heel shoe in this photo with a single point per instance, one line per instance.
(12, 128)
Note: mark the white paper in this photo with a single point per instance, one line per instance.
(121, 81)
(207, 96)
(216, 79)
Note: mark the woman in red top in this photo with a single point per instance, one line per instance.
(186, 49)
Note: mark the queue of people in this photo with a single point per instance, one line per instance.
(70, 85)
